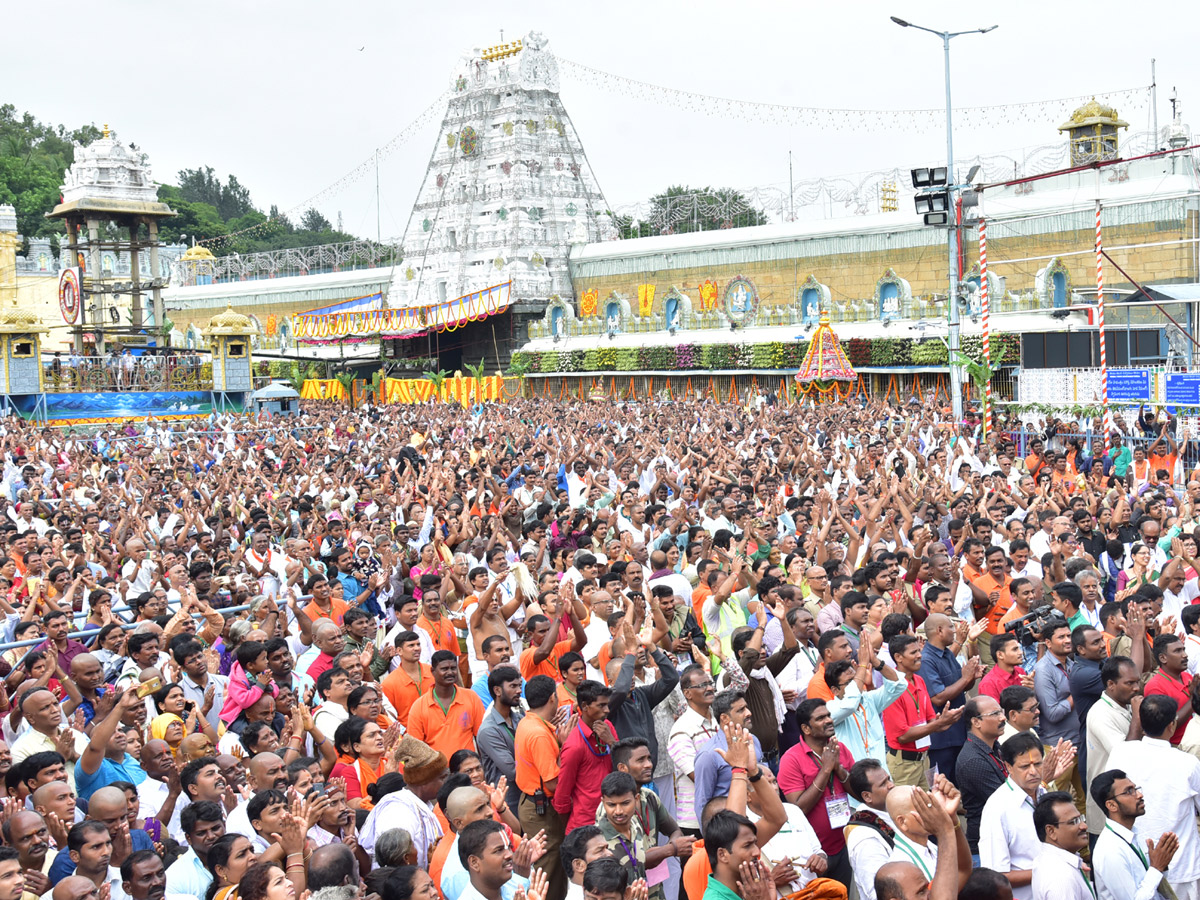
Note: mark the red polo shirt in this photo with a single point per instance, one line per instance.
(1162, 683)
(913, 708)
(997, 680)
(584, 762)
(797, 771)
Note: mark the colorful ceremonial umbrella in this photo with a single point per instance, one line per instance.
(825, 361)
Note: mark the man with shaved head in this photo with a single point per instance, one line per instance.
(464, 806)
(43, 712)
(333, 865)
(58, 800)
(88, 676)
(915, 814)
(195, 746)
(75, 887)
(266, 772)
(328, 642)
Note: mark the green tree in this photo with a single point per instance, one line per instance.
(680, 210)
(312, 220)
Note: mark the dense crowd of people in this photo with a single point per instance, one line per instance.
(653, 650)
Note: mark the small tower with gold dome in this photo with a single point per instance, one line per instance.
(1092, 132)
(20, 350)
(197, 265)
(228, 335)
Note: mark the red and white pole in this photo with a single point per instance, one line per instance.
(987, 352)
(1100, 320)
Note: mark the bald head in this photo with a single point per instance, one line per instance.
(195, 746)
(934, 623)
(55, 797)
(333, 865)
(466, 805)
(267, 771)
(899, 801)
(896, 881)
(108, 804)
(83, 664)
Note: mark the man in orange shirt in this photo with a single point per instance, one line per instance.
(833, 646)
(436, 625)
(543, 654)
(411, 678)
(1164, 460)
(991, 591)
(991, 597)
(323, 605)
(446, 717)
(536, 748)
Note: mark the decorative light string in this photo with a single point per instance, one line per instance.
(829, 118)
(362, 170)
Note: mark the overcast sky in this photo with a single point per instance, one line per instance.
(291, 96)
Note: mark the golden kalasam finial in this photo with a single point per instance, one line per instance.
(106, 130)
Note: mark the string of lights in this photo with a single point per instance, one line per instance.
(838, 119)
(362, 170)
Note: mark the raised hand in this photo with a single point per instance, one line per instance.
(1162, 853)
(739, 746)
(531, 850)
(754, 882)
(947, 795)
(539, 884)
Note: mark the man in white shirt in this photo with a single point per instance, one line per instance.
(410, 808)
(139, 570)
(1170, 782)
(597, 632)
(1110, 722)
(1059, 874)
(1008, 842)
(333, 687)
(867, 836)
(912, 834)
(691, 731)
(1124, 870)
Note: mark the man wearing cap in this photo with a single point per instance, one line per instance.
(410, 808)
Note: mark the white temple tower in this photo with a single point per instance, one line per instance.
(507, 191)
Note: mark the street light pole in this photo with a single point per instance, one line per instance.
(952, 187)
(952, 296)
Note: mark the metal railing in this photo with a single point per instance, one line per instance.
(125, 626)
(79, 374)
(316, 260)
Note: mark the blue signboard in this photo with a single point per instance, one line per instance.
(1129, 384)
(1183, 388)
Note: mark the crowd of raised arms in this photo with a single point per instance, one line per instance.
(652, 650)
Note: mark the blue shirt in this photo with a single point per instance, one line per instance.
(480, 687)
(188, 876)
(940, 669)
(712, 775)
(109, 771)
(455, 879)
(858, 718)
(352, 587)
(89, 709)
